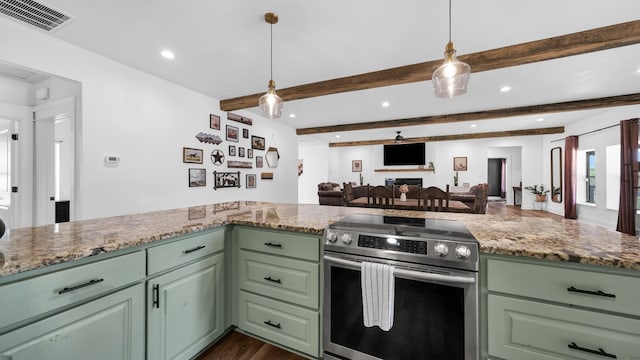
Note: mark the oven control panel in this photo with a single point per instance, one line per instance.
(390, 243)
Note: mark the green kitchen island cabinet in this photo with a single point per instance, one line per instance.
(90, 311)
(185, 295)
(276, 287)
(539, 310)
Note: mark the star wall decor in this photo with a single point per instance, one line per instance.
(217, 157)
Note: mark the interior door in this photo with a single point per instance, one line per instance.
(54, 160)
(8, 153)
(494, 177)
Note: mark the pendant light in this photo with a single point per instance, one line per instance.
(452, 77)
(270, 103)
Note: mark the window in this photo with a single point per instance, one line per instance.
(590, 177)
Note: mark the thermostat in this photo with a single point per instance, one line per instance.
(111, 160)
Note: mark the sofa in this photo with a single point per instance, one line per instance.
(475, 198)
(352, 192)
(329, 193)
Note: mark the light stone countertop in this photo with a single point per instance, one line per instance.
(544, 238)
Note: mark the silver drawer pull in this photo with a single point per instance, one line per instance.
(71, 288)
(269, 278)
(270, 244)
(590, 292)
(194, 249)
(277, 326)
(600, 352)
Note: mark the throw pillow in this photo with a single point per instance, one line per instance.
(337, 188)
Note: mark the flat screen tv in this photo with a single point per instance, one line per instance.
(404, 154)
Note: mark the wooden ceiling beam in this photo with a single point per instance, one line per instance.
(546, 49)
(611, 101)
(494, 134)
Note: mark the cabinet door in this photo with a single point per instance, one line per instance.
(185, 309)
(529, 330)
(111, 327)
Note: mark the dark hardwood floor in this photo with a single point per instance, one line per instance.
(237, 346)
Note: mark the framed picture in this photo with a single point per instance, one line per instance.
(460, 163)
(251, 181)
(240, 164)
(197, 177)
(226, 179)
(232, 133)
(239, 118)
(257, 142)
(191, 155)
(241, 151)
(245, 133)
(249, 153)
(214, 121)
(266, 176)
(232, 150)
(259, 161)
(356, 165)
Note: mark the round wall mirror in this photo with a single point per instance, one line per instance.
(272, 156)
(556, 174)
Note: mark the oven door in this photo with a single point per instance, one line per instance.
(435, 313)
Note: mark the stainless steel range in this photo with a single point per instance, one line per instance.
(436, 295)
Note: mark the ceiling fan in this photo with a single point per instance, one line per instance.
(399, 138)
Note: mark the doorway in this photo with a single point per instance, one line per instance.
(496, 177)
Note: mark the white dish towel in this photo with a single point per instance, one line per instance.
(377, 295)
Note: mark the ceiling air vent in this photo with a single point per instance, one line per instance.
(34, 13)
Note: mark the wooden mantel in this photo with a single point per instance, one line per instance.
(403, 170)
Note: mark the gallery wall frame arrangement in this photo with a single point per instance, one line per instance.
(217, 157)
(257, 142)
(460, 163)
(232, 133)
(197, 177)
(356, 165)
(239, 118)
(226, 179)
(214, 121)
(191, 155)
(250, 181)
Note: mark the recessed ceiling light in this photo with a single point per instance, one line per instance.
(473, 125)
(539, 119)
(505, 88)
(292, 115)
(385, 104)
(337, 136)
(638, 71)
(167, 54)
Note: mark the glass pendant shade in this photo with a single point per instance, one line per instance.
(452, 77)
(270, 103)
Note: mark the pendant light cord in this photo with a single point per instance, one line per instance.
(449, 20)
(271, 28)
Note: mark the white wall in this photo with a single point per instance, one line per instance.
(598, 213)
(315, 156)
(145, 121)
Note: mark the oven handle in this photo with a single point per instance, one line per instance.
(410, 273)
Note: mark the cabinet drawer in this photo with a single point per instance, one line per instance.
(290, 280)
(521, 329)
(31, 297)
(285, 324)
(179, 252)
(280, 243)
(566, 285)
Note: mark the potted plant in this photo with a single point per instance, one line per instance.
(539, 191)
